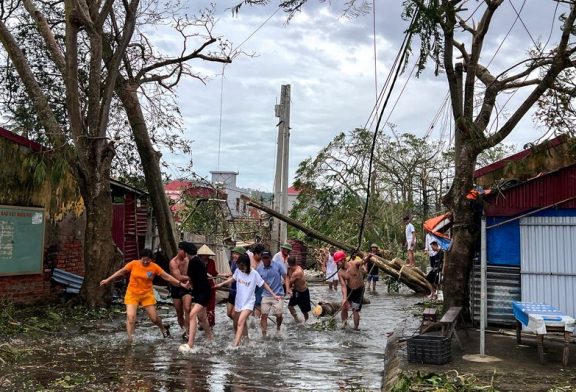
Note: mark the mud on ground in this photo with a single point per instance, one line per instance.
(519, 368)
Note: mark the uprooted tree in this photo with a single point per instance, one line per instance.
(88, 52)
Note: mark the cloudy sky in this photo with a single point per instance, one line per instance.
(328, 60)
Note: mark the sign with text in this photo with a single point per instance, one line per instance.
(21, 240)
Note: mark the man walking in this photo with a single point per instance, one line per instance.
(181, 296)
(274, 274)
(300, 293)
(351, 276)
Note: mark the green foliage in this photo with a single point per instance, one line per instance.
(33, 319)
(409, 174)
(447, 382)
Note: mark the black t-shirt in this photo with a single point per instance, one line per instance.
(198, 275)
(437, 260)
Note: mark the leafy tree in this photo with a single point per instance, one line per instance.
(85, 52)
(406, 171)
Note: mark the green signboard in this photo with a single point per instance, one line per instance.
(21, 240)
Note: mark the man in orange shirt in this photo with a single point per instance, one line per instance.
(139, 291)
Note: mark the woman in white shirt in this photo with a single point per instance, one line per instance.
(246, 280)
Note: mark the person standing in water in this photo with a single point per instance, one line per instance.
(247, 280)
(300, 293)
(181, 297)
(352, 282)
(201, 293)
(140, 292)
(331, 269)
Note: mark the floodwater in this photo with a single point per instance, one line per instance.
(300, 357)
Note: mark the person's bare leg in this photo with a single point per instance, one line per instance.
(131, 320)
(279, 319)
(294, 314)
(344, 314)
(186, 309)
(243, 315)
(178, 306)
(196, 309)
(264, 324)
(356, 316)
(153, 316)
(203, 318)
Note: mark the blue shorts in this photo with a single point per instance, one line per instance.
(372, 278)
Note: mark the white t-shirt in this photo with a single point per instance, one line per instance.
(279, 258)
(331, 268)
(428, 247)
(409, 235)
(245, 287)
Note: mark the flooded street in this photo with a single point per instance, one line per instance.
(301, 357)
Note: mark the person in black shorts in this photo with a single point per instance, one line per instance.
(201, 292)
(300, 293)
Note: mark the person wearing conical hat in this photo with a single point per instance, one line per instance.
(206, 255)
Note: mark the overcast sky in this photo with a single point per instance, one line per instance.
(328, 60)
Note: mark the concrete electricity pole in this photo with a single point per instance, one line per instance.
(280, 230)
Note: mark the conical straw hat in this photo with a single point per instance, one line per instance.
(205, 251)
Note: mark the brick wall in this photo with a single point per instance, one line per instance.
(26, 289)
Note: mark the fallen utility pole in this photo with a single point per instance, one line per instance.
(411, 277)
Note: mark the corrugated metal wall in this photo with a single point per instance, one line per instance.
(548, 266)
(503, 288)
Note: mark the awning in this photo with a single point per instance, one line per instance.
(437, 227)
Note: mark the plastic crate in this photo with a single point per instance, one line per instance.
(429, 349)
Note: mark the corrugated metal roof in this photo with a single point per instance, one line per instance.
(556, 188)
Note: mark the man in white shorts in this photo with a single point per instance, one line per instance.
(274, 274)
(410, 240)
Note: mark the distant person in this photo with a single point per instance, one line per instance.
(181, 296)
(206, 255)
(436, 268)
(410, 240)
(372, 268)
(247, 280)
(428, 245)
(140, 291)
(275, 275)
(282, 255)
(351, 276)
(331, 269)
(300, 293)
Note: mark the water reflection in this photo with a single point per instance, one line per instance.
(300, 358)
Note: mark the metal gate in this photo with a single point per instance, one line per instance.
(548, 261)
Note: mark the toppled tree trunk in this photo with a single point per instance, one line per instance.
(411, 277)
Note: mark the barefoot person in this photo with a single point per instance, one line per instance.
(351, 276)
(181, 297)
(140, 292)
(234, 256)
(300, 293)
(372, 268)
(206, 255)
(275, 275)
(201, 293)
(246, 280)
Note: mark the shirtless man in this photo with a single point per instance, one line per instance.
(300, 293)
(351, 277)
(182, 297)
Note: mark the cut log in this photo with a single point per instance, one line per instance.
(411, 277)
